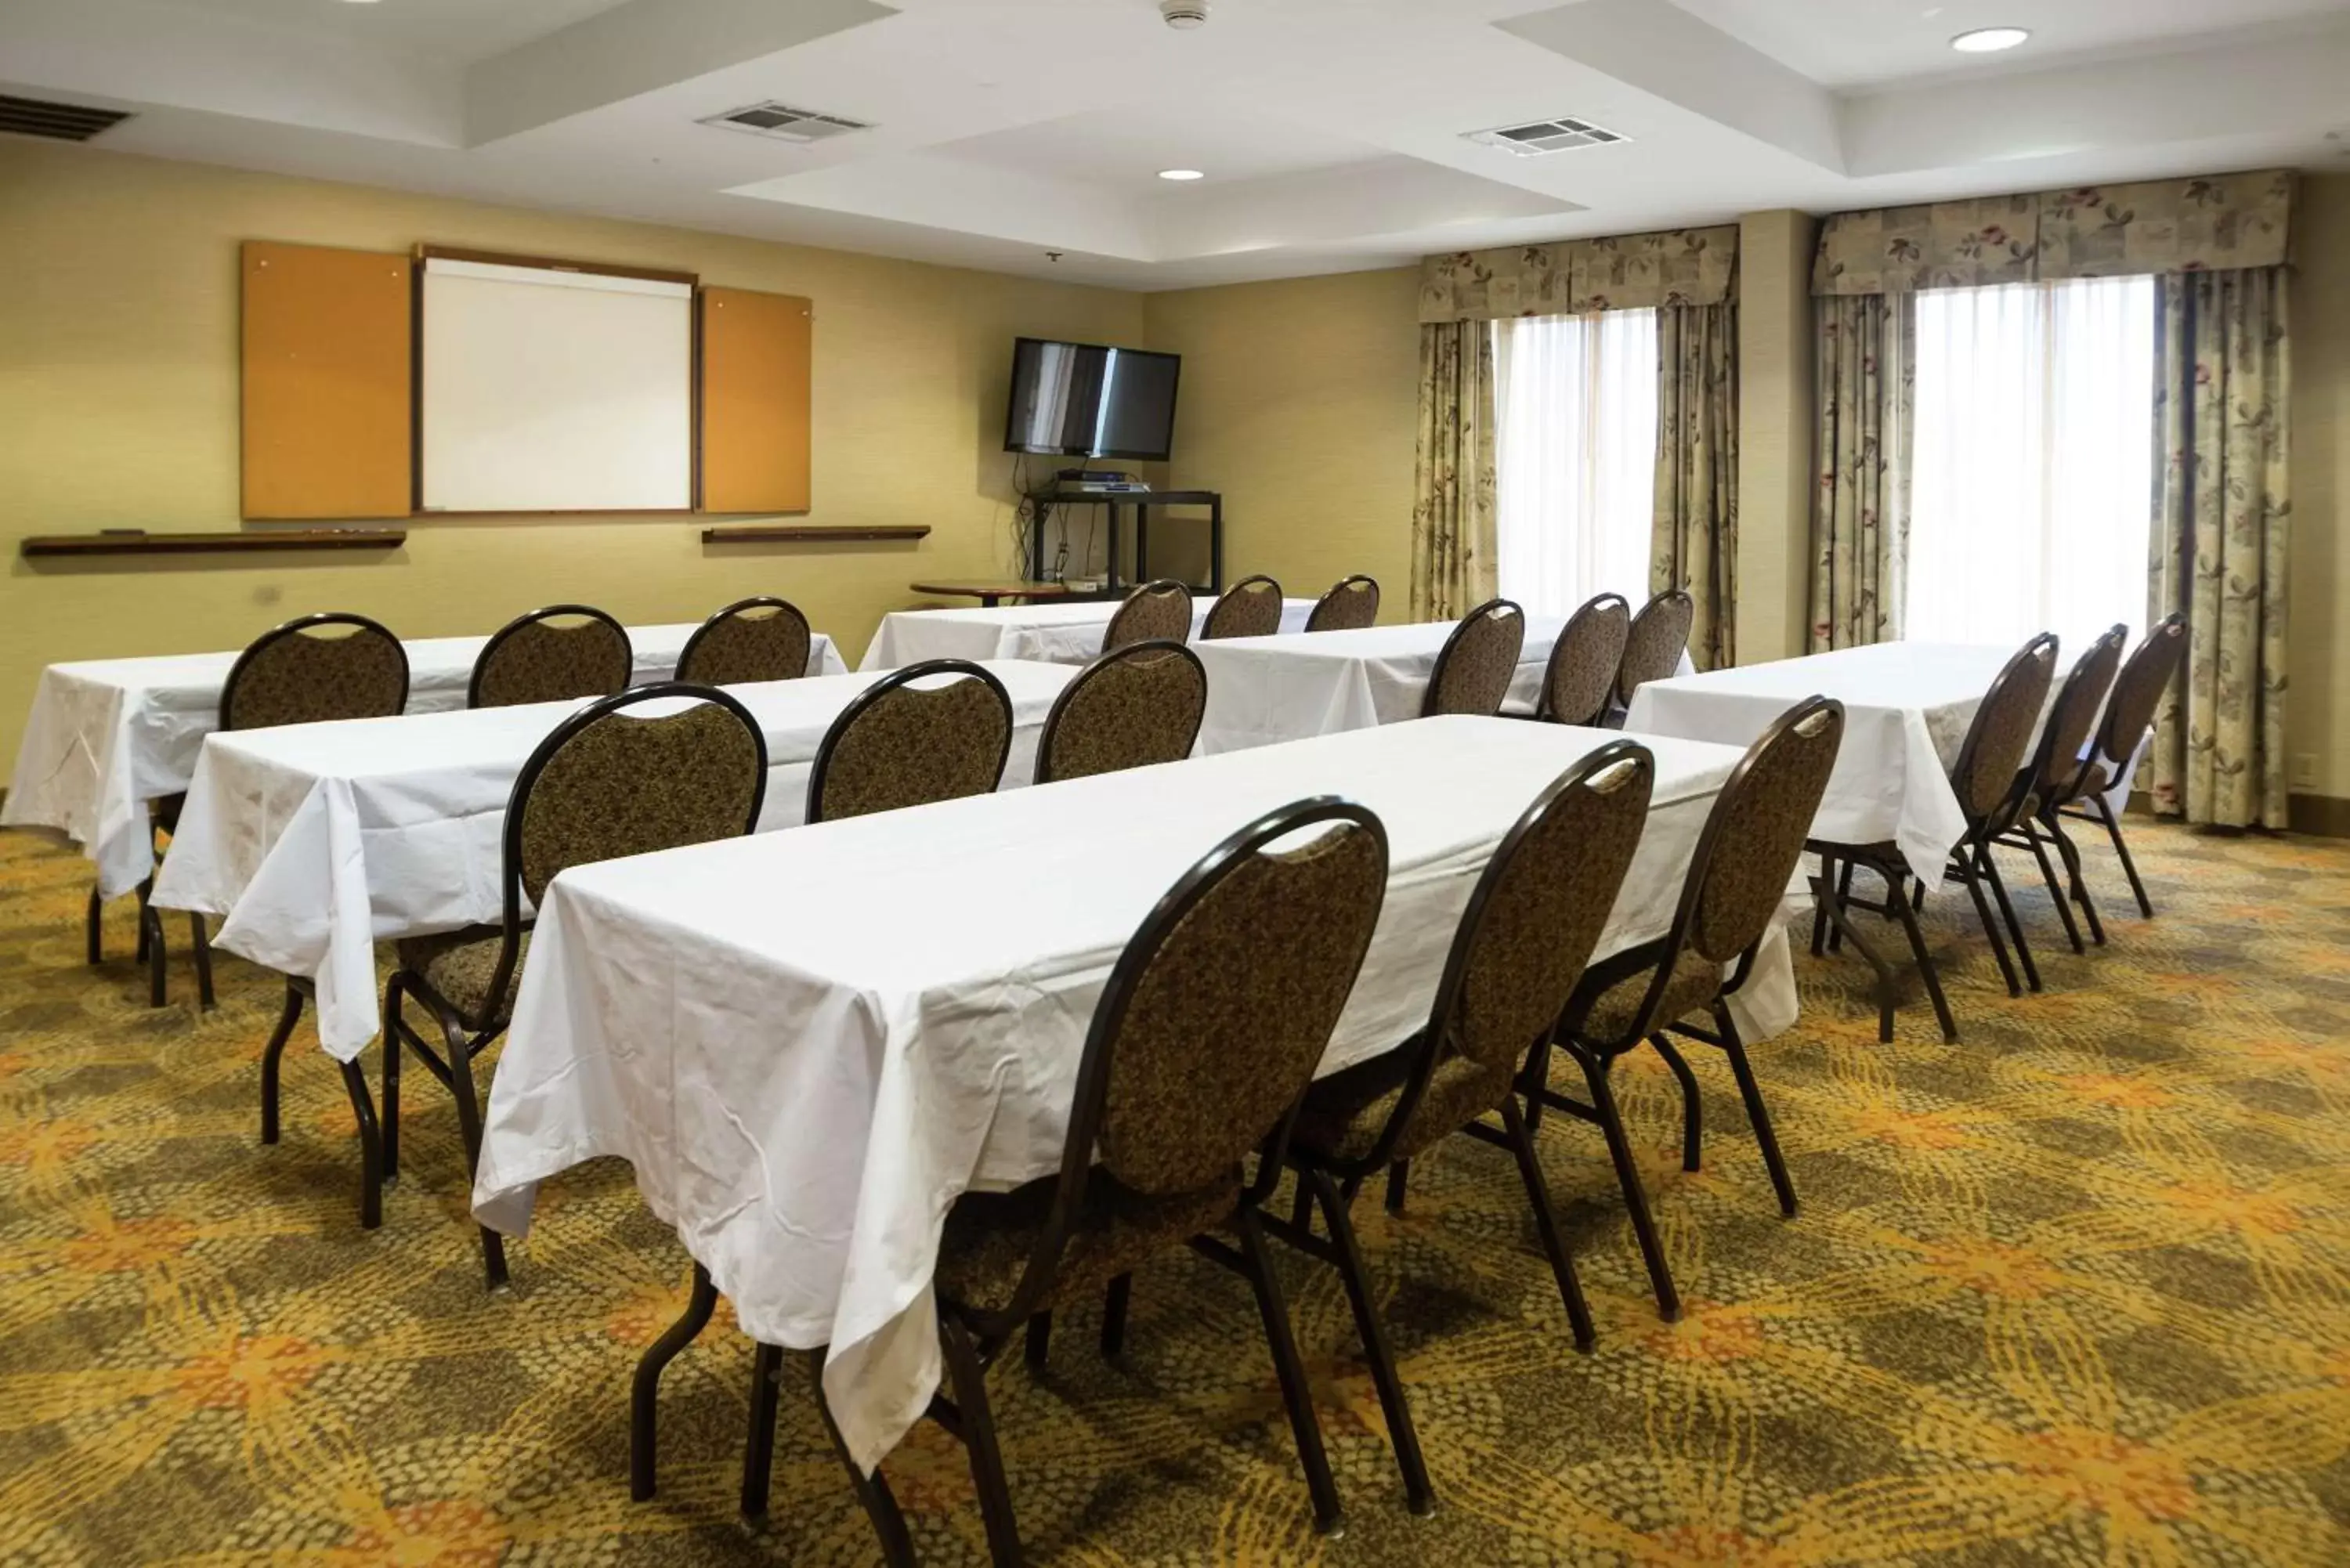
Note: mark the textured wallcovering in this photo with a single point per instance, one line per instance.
(2077, 1290)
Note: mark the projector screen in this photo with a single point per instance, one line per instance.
(550, 390)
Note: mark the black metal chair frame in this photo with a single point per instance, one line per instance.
(929, 669)
(1970, 861)
(1334, 596)
(545, 612)
(463, 1040)
(1591, 610)
(1154, 648)
(1232, 597)
(2114, 751)
(973, 1339)
(2054, 779)
(763, 601)
(1674, 599)
(1662, 956)
(1495, 610)
(1141, 594)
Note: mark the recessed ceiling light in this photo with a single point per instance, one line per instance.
(1182, 174)
(1990, 40)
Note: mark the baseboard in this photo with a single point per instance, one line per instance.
(2326, 816)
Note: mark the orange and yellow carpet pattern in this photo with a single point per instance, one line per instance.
(2075, 1291)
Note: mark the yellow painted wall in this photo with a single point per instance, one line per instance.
(1778, 414)
(2318, 704)
(1300, 403)
(119, 408)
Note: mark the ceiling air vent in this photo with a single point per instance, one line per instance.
(58, 121)
(785, 123)
(1545, 136)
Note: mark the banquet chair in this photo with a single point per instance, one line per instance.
(751, 639)
(605, 784)
(1531, 924)
(1581, 675)
(1250, 607)
(557, 654)
(2128, 720)
(1349, 606)
(1206, 1035)
(898, 745)
(308, 670)
(2059, 765)
(1752, 843)
(1985, 779)
(1159, 610)
(1654, 644)
(1125, 710)
(1478, 662)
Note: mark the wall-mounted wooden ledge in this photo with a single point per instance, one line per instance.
(132, 543)
(801, 534)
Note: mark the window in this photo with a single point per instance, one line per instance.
(1576, 452)
(2034, 462)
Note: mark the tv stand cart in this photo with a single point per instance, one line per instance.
(1142, 501)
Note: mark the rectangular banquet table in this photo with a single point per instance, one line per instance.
(1062, 633)
(317, 841)
(108, 735)
(803, 1085)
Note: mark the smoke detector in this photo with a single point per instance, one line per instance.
(1545, 136)
(1184, 14)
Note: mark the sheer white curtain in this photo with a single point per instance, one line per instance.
(1576, 456)
(2034, 462)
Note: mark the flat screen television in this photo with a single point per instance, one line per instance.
(1085, 399)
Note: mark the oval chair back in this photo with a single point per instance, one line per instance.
(2061, 761)
(1654, 645)
(297, 674)
(1250, 607)
(1478, 662)
(1157, 611)
(898, 744)
(1139, 705)
(555, 654)
(1581, 676)
(749, 641)
(1352, 604)
(1991, 757)
(2137, 692)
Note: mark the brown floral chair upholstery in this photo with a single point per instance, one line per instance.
(1250, 607)
(1581, 676)
(1478, 662)
(2060, 768)
(1125, 710)
(1986, 780)
(558, 654)
(898, 744)
(1653, 646)
(1529, 929)
(310, 670)
(1159, 611)
(749, 640)
(1753, 841)
(603, 784)
(1205, 1037)
(1349, 606)
(2129, 720)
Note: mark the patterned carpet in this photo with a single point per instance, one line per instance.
(2075, 1291)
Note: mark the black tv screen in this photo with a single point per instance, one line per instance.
(1084, 400)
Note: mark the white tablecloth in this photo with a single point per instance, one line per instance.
(803, 1085)
(1907, 709)
(106, 736)
(1060, 633)
(317, 841)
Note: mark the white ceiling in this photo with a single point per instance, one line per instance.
(1330, 130)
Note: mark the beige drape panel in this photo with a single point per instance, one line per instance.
(1694, 545)
(1453, 530)
(2222, 510)
(1866, 372)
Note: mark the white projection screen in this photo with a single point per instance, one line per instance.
(548, 390)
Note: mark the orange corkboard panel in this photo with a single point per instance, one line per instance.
(754, 400)
(326, 390)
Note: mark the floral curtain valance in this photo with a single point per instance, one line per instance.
(1635, 272)
(2222, 221)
